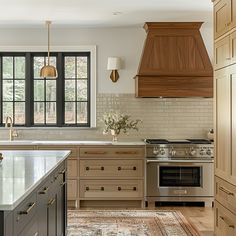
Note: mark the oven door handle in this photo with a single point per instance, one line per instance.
(179, 161)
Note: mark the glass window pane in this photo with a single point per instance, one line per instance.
(20, 67)
(82, 67)
(50, 90)
(53, 61)
(82, 112)
(7, 67)
(69, 67)
(19, 113)
(19, 90)
(70, 112)
(82, 90)
(7, 110)
(69, 90)
(39, 112)
(39, 90)
(51, 112)
(38, 64)
(7, 90)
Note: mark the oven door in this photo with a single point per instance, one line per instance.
(190, 178)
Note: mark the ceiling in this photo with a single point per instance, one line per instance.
(101, 13)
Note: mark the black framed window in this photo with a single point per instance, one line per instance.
(64, 101)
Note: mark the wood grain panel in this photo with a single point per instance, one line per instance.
(174, 87)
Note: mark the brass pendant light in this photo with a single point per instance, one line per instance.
(48, 71)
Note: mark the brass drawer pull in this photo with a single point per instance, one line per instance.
(26, 212)
(36, 234)
(95, 153)
(134, 188)
(87, 188)
(226, 191)
(134, 168)
(129, 168)
(128, 189)
(87, 168)
(126, 152)
(230, 225)
(63, 183)
(62, 172)
(51, 202)
(102, 188)
(119, 188)
(102, 168)
(45, 190)
(119, 168)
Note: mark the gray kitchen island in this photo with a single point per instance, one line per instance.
(33, 193)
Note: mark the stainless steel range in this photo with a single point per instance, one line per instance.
(179, 170)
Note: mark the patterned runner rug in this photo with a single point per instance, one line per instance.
(128, 223)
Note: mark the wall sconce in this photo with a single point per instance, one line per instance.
(114, 64)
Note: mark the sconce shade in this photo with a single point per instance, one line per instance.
(48, 71)
(114, 63)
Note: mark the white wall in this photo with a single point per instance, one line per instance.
(126, 43)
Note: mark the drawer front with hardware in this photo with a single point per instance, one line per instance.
(112, 152)
(24, 212)
(225, 221)
(225, 194)
(111, 189)
(111, 168)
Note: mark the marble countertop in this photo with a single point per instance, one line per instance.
(22, 171)
(65, 142)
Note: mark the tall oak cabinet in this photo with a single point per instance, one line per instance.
(225, 116)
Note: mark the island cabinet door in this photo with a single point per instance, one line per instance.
(31, 229)
(52, 216)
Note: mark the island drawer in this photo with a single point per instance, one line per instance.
(24, 213)
(225, 194)
(117, 152)
(224, 221)
(112, 189)
(111, 168)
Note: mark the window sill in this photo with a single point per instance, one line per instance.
(50, 128)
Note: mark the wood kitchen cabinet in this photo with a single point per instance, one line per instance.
(111, 176)
(224, 16)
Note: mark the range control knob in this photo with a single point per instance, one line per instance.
(155, 151)
(208, 152)
(172, 152)
(201, 152)
(192, 152)
(162, 151)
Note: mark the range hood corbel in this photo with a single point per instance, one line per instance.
(174, 62)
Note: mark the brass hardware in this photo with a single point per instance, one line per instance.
(44, 190)
(229, 225)
(12, 132)
(119, 188)
(48, 71)
(119, 168)
(102, 188)
(87, 188)
(134, 168)
(226, 191)
(95, 153)
(114, 76)
(62, 172)
(36, 234)
(128, 152)
(63, 183)
(87, 168)
(27, 211)
(102, 168)
(134, 188)
(51, 201)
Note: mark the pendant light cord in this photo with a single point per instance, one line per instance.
(48, 24)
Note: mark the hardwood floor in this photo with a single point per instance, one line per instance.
(201, 217)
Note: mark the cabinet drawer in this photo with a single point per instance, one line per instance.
(72, 189)
(225, 194)
(72, 168)
(73, 149)
(225, 221)
(24, 213)
(111, 168)
(111, 189)
(16, 147)
(112, 152)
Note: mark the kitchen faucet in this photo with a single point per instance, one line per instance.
(12, 132)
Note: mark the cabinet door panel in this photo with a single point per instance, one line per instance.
(72, 189)
(72, 169)
(31, 229)
(222, 17)
(233, 47)
(223, 124)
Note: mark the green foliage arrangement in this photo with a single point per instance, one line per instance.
(117, 122)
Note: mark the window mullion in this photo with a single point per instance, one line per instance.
(1, 112)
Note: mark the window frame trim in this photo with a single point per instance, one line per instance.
(77, 48)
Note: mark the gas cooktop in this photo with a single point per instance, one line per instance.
(177, 141)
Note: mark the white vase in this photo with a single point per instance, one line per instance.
(114, 135)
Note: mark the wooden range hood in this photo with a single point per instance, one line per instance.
(174, 62)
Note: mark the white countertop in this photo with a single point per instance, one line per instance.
(70, 142)
(22, 171)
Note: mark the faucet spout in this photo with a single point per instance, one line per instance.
(9, 123)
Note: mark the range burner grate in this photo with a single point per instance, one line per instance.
(156, 141)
